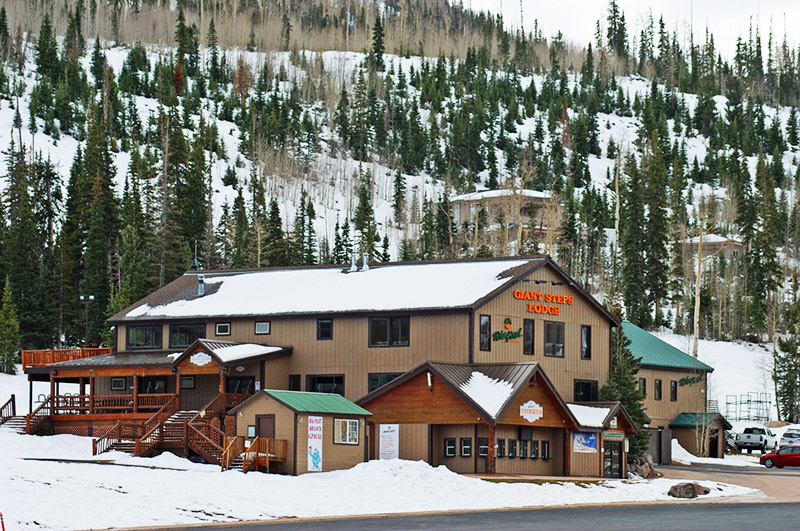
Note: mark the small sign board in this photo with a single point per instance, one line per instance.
(584, 442)
(315, 444)
(200, 359)
(531, 411)
(389, 440)
(613, 423)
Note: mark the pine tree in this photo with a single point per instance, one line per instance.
(277, 246)
(47, 64)
(376, 55)
(214, 70)
(633, 245)
(656, 235)
(241, 251)
(192, 187)
(342, 118)
(385, 256)
(9, 332)
(622, 385)
(364, 218)
(399, 199)
(786, 364)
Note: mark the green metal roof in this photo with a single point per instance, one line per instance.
(654, 352)
(691, 420)
(303, 402)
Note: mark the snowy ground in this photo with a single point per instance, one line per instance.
(739, 368)
(167, 490)
(682, 456)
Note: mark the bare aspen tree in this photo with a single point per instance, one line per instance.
(707, 221)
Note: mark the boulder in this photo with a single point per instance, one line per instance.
(688, 490)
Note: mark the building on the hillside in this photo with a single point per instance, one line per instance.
(675, 386)
(715, 245)
(189, 353)
(536, 211)
(318, 432)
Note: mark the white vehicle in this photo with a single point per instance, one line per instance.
(790, 438)
(756, 438)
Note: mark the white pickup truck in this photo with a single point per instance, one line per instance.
(756, 438)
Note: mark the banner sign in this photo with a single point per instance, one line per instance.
(584, 443)
(389, 440)
(200, 359)
(531, 411)
(315, 444)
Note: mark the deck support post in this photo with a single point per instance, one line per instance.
(135, 392)
(567, 450)
(30, 396)
(91, 391)
(82, 392)
(490, 455)
(53, 408)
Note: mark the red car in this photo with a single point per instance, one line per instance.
(786, 456)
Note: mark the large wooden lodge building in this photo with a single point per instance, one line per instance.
(487, 365)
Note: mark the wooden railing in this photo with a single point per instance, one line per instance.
(9, 409)
(119, 432)
(234, 446)
(262, 451)
(232, 400)
(64, 404)
(34, 419)
(197, 437)
(40, 358)
(154, 427)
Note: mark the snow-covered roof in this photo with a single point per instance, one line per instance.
(489, 393)
(590, 416)
(244, 351)
(492, 194)
(711, 238)
(423, 286)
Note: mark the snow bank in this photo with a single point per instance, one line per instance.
(489, 393)
(682, 456)
(166, 490)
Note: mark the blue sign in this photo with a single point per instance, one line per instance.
(585, 443)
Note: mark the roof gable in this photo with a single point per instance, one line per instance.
(228, 352)
(692, 420)
(305, 402)
(655, 352)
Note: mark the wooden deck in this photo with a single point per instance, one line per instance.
(41, 358)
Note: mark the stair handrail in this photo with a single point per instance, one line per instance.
(107, 440)
(34, 419)
(213, 406)
(253, 444)
(9, 409)
(194, 433)
(234, 446)
(147, 442)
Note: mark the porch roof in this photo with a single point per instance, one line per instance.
(159, 358)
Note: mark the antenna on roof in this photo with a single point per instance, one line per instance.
(195, 262)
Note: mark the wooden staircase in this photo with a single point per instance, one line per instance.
(14, 424)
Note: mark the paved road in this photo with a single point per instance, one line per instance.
(639, 517)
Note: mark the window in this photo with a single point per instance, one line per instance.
(325, 383)
(585, 390)
(187, 382)
(251, 431)
(262, 327)
(389, 331)
(534, 449)
(183, 335)
(223, 329)
(657, 390)
(324, 329)
(240, 385)
(141, 337)
(545, 449)
(466, 446)
(586, 342)
(379, 379)
(449, 447)
(523, 449)
(486, 333)
(527, 336)
(554, 339)
(294, 382)
(512, 448)
(119, 384)
(345, 431)
(643, 387)
(501, 447)
(483, 447)
(673, 391)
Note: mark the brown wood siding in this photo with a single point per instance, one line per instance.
(412, 441)
(432, 337)
(462, 465)
(284, 425)
(276, 373)
(585, 464)
(334, 456)
(206, 387)
(691, 398)
(561, 371)
(554, 466)
(553, 415)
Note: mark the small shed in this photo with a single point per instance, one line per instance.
(701, 434)
(319, 431)
(600, 446)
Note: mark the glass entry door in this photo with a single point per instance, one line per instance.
(612, 459)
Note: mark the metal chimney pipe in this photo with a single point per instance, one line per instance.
(201, 285)
(353, 266)
(365, 267)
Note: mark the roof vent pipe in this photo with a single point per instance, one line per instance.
(201, 285)
(365, 267)
(353, 266)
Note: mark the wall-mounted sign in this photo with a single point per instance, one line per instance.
(507, 335)
(613, 423)
(200, 359)
(315, 444)
(389, 439)
(584, 443)
(548, 298)
(531, 411)
(608, 435)
(690, 381)
(240, 368)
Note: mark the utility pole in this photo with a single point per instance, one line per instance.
(86, 301)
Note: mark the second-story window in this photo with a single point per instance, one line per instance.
(183, 335)
(486, 333)
(142, 337)
(389, 331)
(324, 329)
(554, 339)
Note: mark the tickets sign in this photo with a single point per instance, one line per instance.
(531, 411)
